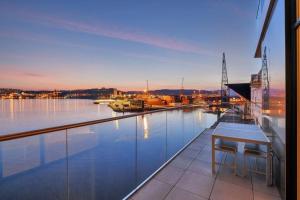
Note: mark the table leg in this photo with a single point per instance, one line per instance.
(213, 154)
(268, 166)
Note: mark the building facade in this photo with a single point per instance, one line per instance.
(268, 86)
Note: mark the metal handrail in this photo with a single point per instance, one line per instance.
(18, 135)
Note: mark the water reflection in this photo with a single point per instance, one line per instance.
(11, 109)
(200, 116)
(47, 107)
(54, 146)
(20, 155)
(48, 112)
(116, 121)
(146, 129)
(2, 106)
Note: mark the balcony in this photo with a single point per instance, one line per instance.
(189, 176)
(157, 155)
(101, 159)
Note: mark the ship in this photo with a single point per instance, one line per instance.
(129, 105)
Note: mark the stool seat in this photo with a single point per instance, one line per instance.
(255, 150)
(226, 145)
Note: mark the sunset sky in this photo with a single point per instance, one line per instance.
(55, 44)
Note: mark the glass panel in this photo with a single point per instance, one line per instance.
(34, 167)
(272, 94)
(188, 125)
(102, 160)
(175, 128)
(151, 145)
(274, 112)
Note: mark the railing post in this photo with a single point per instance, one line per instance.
(182, 127)
(1, 161)
(193, 114)
(42, 149)
(166, 137)
(136, 143)
(67, 166)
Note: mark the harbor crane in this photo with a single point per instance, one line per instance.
(224, 82)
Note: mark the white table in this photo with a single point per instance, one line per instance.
(248, 133)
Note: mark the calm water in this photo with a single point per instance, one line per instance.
(103, 161)
(29, 114)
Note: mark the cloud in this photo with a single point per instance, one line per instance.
(31, 74)
(17, 71)
(107, 30)
(23, 35)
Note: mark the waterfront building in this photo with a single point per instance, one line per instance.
(273, 103)
(268, 97)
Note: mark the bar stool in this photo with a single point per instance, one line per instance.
(228, 147)
(257, 151)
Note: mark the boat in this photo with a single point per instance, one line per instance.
(104, 101)
(130, 105)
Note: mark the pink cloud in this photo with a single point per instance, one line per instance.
(17, 71)
(31, 74)
(23, 35)
(110, 31)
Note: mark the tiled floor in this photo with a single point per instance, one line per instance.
(189, 177)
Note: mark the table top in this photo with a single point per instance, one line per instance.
(241, 132)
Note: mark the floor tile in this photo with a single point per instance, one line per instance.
(169, 175)
(264, 196)
(225, 190)
(227, 175)
(203, 139)
(153, 190)
(181, 162)
(205, 155)
(201, 167)
(259, 185)
(190, 153)
(196, 146)
(196, 183)
(180, 194)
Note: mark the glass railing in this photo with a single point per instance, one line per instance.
(101, 161)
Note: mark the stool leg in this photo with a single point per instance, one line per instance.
(256, 169)
(224, 160)
(245, 166)
(235, 161)
(235, 164)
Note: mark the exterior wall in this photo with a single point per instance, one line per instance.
(298, 102)
(272, 117)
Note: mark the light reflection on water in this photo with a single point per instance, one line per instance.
(30, 114)
(103, 161)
